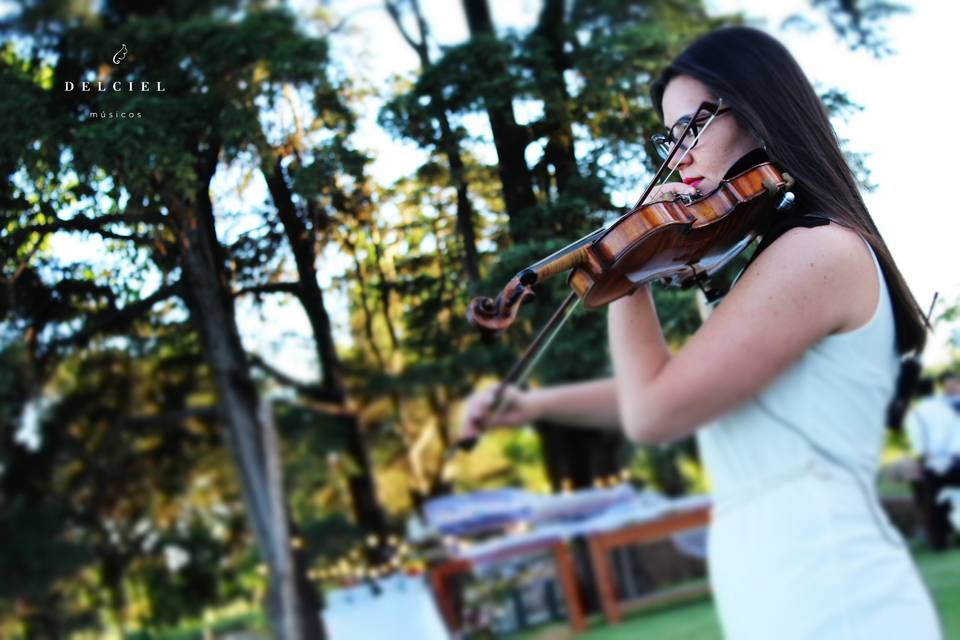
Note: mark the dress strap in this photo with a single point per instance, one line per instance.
(784, 224)
(777, 229)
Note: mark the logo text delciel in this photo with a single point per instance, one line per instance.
(114, 86)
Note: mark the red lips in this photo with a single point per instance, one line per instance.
(693, 181)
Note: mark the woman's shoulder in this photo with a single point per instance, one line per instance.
(832, 247)
(831, 265)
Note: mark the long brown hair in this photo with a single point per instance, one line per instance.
(770, 95)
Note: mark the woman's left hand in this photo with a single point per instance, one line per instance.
(670, 190)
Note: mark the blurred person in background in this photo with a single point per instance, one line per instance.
(933, 431)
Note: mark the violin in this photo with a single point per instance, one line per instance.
(680, 241)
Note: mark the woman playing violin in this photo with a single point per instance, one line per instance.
(786, 382)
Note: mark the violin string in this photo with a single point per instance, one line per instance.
(573, 246)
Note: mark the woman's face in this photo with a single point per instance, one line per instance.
(720, 145)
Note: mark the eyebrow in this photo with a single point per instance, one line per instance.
(687, 117)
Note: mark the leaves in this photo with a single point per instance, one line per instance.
(130, 457)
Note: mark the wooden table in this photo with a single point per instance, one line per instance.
(601, 544)
(562, 560)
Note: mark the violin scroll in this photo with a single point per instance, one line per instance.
(497, 314)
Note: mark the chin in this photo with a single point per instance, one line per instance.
(707, 186)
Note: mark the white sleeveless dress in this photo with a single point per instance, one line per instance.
(799, 547)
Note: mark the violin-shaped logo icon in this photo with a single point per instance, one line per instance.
(120, 55)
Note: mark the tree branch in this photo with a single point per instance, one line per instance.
(540, 129)
(90, 224)
(269, 287)
(367, 313)
(113, 319)
(312, 391)
(170, 417)
(394, 12)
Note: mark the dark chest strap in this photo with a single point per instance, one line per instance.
(786, 223)
(777, 229)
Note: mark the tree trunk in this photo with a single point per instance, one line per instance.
(559, 151)
(363, 491)
(210, 302)
(577, 456)
(510, 139)
(465, 212)
(571, 454)
(448, 144)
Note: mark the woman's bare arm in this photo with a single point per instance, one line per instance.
(808, 284)
(585, 404)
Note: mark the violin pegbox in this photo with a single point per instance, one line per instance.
(786, 197)
(493, 315)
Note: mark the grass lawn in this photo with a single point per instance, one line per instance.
(698, 620)
(942, 574)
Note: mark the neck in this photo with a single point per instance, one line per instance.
(750, 159)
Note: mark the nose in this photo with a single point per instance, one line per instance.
(682, 159)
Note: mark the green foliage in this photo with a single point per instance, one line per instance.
(201, 629)
(24, 108)
(588, 74)
(214, 74)
(35, 554)
(470, 76)
(96, 457)
(129, 460)
(112, 493)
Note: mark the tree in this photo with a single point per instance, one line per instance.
(585, 66)
(248, 98)
(102, 490)
(215, 74)
(441, 137)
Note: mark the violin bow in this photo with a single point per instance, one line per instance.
(523, 367)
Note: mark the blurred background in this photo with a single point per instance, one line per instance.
(238, 242)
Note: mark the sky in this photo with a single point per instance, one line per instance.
(901, 127)
(902, 96)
